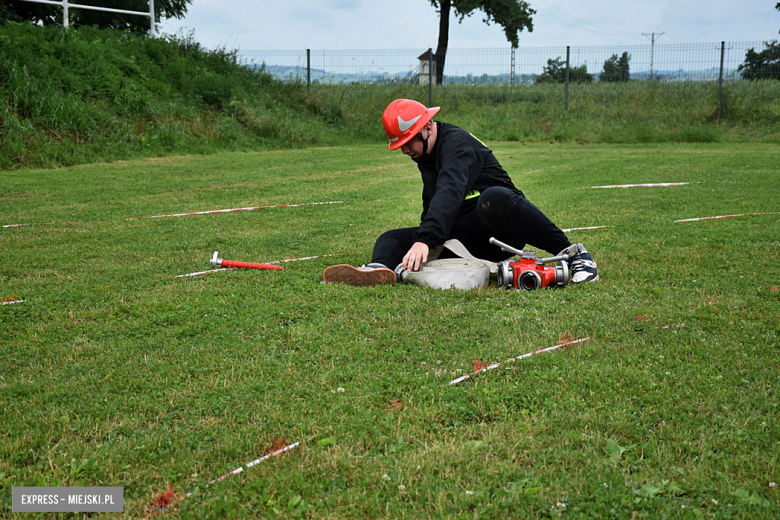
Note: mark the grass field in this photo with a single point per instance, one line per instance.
(114, 372)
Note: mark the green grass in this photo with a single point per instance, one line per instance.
(81, 95)
(116, 373)
(627, 113)
(85, 95)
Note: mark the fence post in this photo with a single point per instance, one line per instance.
(308, 71)
(566, 106)
(65, 17)
(430, 77)
(720, 78)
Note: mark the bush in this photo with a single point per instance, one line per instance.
(555, 72)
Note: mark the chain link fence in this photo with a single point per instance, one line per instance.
(702, 81)
(525, 65)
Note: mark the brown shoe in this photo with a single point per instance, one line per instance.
(358, 276)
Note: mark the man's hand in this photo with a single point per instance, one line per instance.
(418, 254)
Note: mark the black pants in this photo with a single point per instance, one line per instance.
(501, 213)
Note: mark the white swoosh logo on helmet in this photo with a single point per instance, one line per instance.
(406, 125)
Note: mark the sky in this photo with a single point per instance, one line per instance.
(410, 24)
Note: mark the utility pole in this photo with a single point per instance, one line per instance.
(652, 48)
(512, 66)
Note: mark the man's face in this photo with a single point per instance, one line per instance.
(414, 147)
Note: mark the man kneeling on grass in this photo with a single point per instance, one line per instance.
(467, 197)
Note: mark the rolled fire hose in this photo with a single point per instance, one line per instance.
(450, 273)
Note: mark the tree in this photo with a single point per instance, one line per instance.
(512, 15)
(555, 72)
(616, 69)
(45, 14)
(762, 65)
(579, 74)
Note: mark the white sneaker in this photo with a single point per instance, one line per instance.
(582, 266)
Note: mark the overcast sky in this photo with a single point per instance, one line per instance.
(408, 24)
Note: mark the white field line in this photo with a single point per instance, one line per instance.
(14, 301)
(496, 365)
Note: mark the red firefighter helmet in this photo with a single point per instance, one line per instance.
(403, 119)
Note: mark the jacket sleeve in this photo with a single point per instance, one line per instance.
(459, 170)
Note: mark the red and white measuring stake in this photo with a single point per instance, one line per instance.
(242, 209)
(250, 464)
(496, 365)
(726, 216)
(651, 185)
(582, 228)
(302, 258)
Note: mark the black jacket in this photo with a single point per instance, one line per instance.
(458, 166)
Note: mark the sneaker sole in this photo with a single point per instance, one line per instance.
(591, 280)
(346, 274)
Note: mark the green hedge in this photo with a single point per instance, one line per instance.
(86, 94)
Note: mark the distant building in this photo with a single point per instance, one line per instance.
(424, 74)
